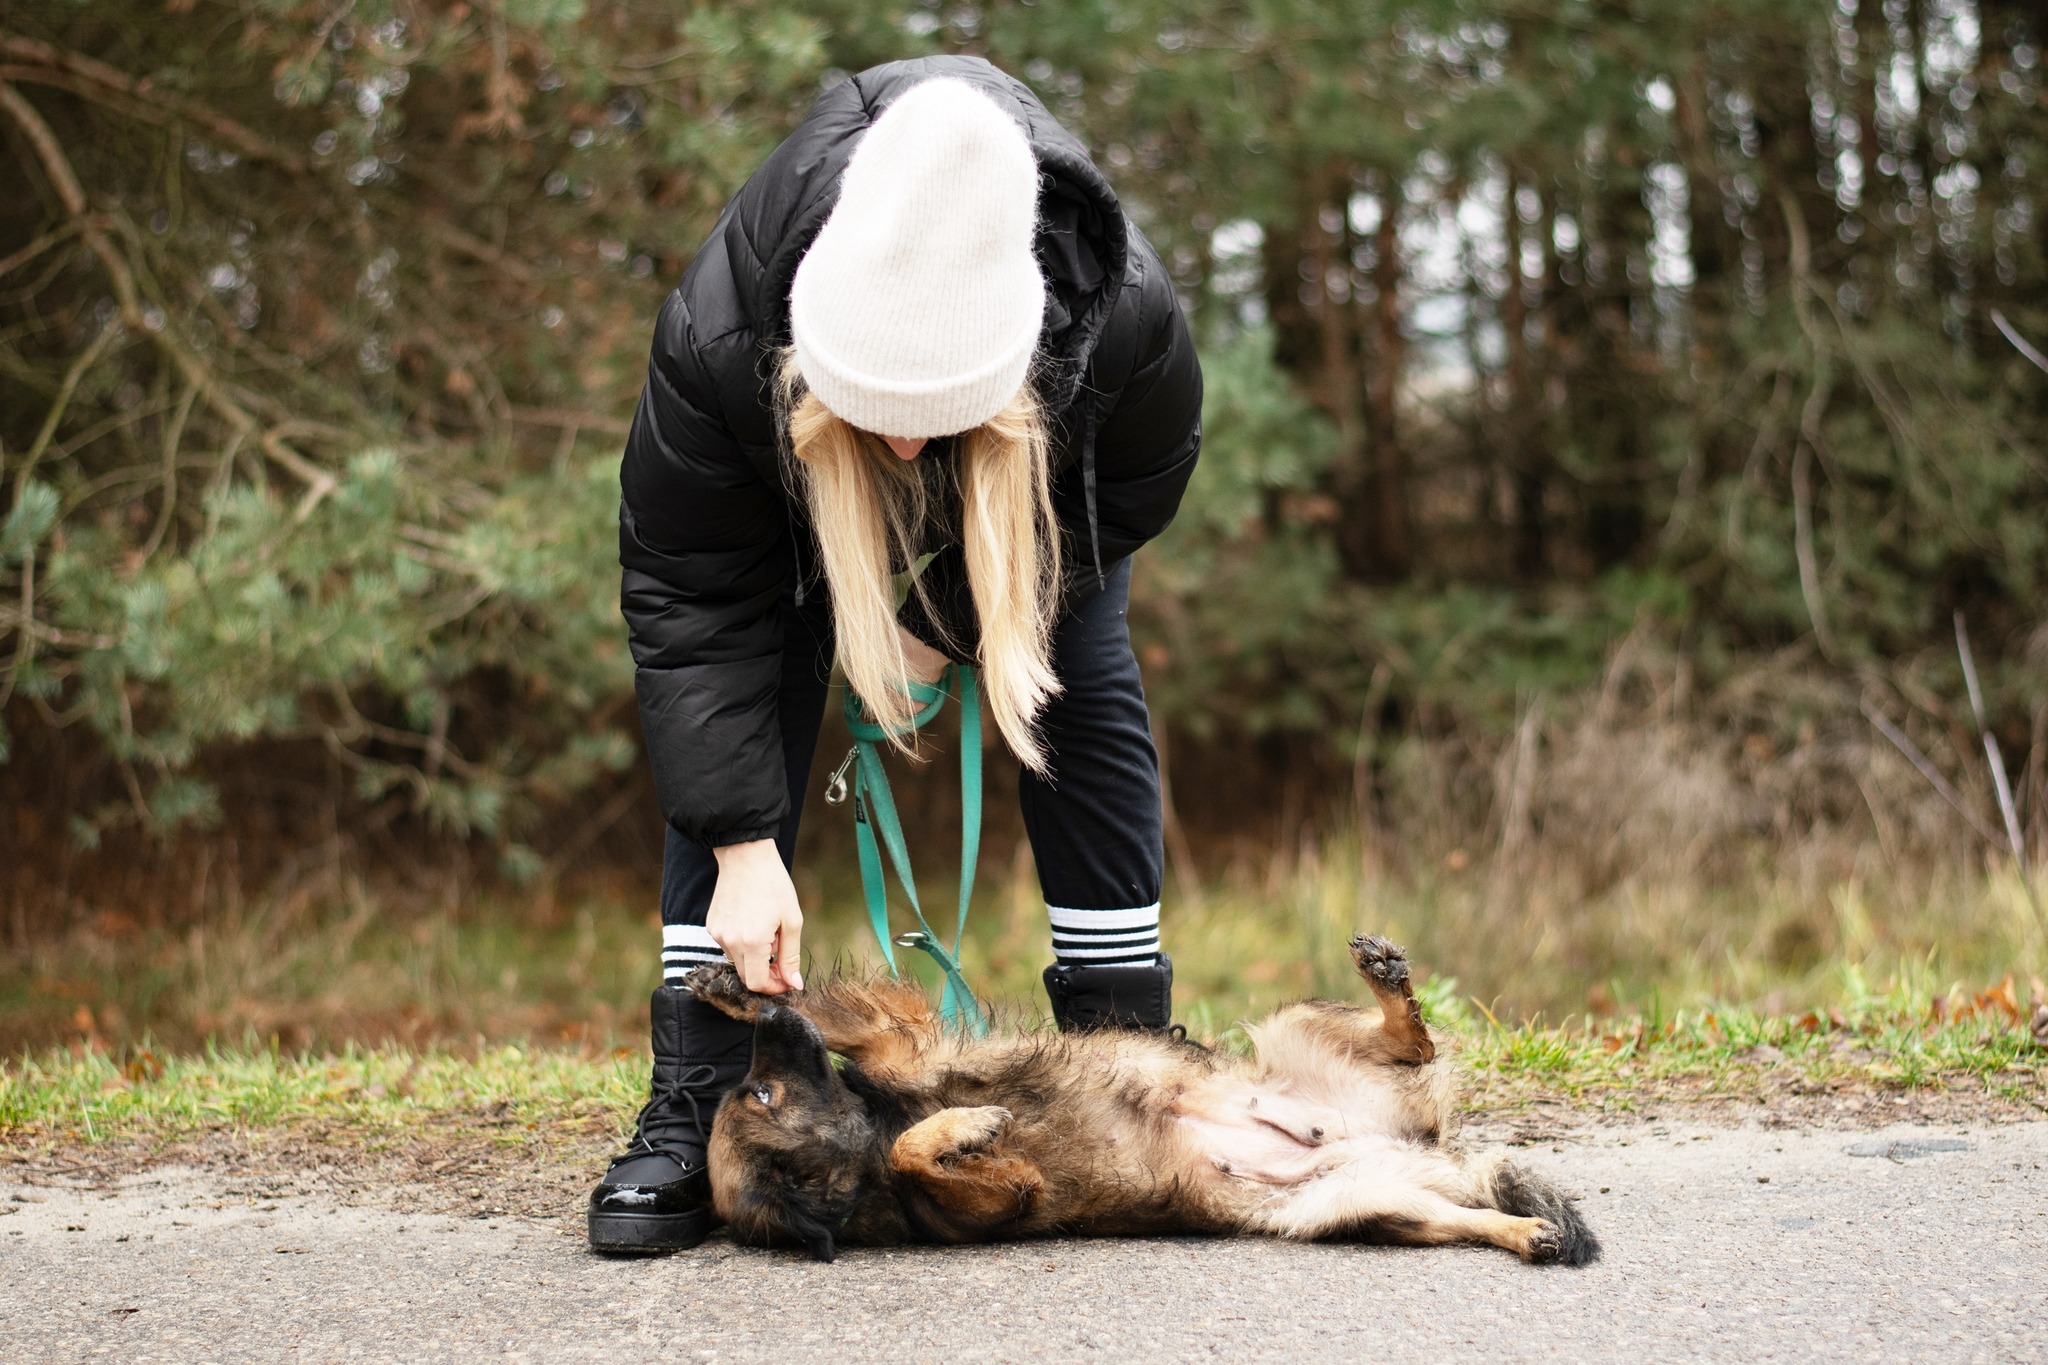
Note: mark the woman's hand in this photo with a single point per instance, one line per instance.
(755, 918)
(926, 663)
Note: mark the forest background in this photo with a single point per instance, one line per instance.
(1618, 415)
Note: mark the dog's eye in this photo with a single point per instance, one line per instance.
(763, 1094)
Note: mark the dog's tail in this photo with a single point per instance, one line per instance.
(1521, 1192)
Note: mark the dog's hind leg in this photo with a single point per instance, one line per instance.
(1299, 1037)
(1368, 1205)
(1515, 1189)
(1385, 968)
(956, 1159)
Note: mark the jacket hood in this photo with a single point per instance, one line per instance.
(1082, 239)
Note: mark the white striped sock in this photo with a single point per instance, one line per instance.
(1096, 937)
(685, 947)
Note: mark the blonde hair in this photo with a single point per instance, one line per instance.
(867, 507)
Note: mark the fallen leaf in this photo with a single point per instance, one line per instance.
(2001, 998)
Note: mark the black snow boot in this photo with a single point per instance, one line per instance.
(1122, 995)
(656, 1196)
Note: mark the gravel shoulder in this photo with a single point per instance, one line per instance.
(1723, 1242)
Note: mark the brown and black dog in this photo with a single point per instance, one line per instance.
(1337, 1127)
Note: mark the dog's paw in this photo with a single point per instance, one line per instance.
(1545, 1245)
(974, 1129)
(1380, 961)
(718, 985)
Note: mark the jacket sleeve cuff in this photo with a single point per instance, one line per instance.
(715, 747)
(742, 836)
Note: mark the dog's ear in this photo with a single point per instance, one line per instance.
(811, 1227)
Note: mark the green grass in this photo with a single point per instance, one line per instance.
(1739, 1052)
(371, 1097)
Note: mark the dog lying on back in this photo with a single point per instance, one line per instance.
(1336, 1128)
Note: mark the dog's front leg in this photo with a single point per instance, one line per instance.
(956, 1158)
(885, 1025)
(718, 985)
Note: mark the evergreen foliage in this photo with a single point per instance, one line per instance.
(1527, 328)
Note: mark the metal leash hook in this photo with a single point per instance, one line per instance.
(957, 1004)
(835, 789)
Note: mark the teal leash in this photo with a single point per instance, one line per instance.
(877, 827)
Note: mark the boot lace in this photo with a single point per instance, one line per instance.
(691, 1085)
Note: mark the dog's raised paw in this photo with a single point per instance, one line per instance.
(718, 985)
(1380, 960)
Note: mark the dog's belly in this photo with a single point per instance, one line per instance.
(1262, 1133)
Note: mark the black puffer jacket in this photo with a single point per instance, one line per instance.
(711, 537)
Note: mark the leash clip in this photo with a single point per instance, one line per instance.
(835, 789)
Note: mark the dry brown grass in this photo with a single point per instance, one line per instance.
(1630, 850)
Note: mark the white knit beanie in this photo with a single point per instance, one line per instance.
(916, 310)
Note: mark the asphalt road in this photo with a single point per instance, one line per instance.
(1736, 1245)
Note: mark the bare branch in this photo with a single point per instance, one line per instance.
(2000, 783)
(84, 361)
(590, 830)
(48, 150)
(1926, 769)
(478, 249)
(1802, 546)
(56, 236)
(106, 426)
(563, 417)
(154, 115)
(1810, 433)
(2019, 343)
(64, 181)
(197, 372)
(235, 135)
(174, 435)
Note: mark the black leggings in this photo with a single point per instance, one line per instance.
(1094, 821)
